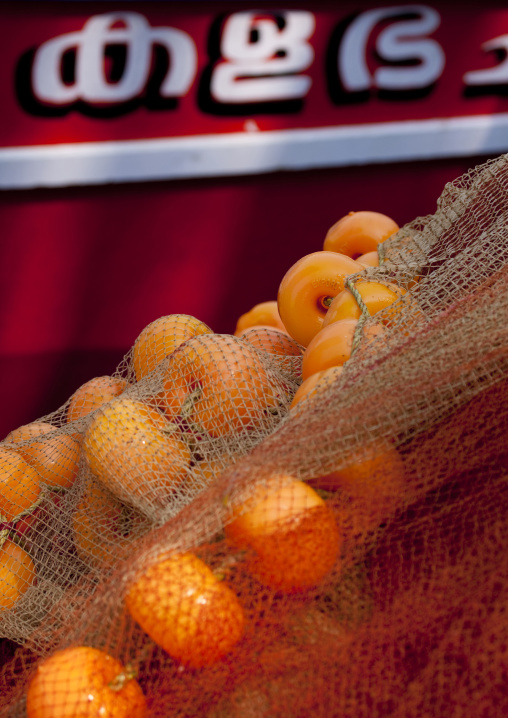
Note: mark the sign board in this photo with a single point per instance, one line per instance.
(117, 92)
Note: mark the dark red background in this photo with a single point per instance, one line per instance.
(83, 270)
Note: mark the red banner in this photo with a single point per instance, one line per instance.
(100, 92)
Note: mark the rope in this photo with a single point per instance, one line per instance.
(365, 314)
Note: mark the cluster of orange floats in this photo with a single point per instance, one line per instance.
(138, 452)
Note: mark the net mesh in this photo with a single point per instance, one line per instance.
(405, 449)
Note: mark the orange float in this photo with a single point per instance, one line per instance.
(291, 534)
(92, 394)
(307, 290)
(374, 481)
(271, 340)
(17, 573)
(102, 526)
(28, 432)
(219, 382)
(315, 383)
(333, 345)
(52, 452)
(374, 295)
(160, 339)
(84, 682)
(187, 610)
(262, 314)
(129, 450)
(19, 485)
(359, 232)
(369, 259)
(55, 456)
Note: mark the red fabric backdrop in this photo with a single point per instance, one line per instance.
(83, 270)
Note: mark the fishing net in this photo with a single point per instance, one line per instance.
(386, 596)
